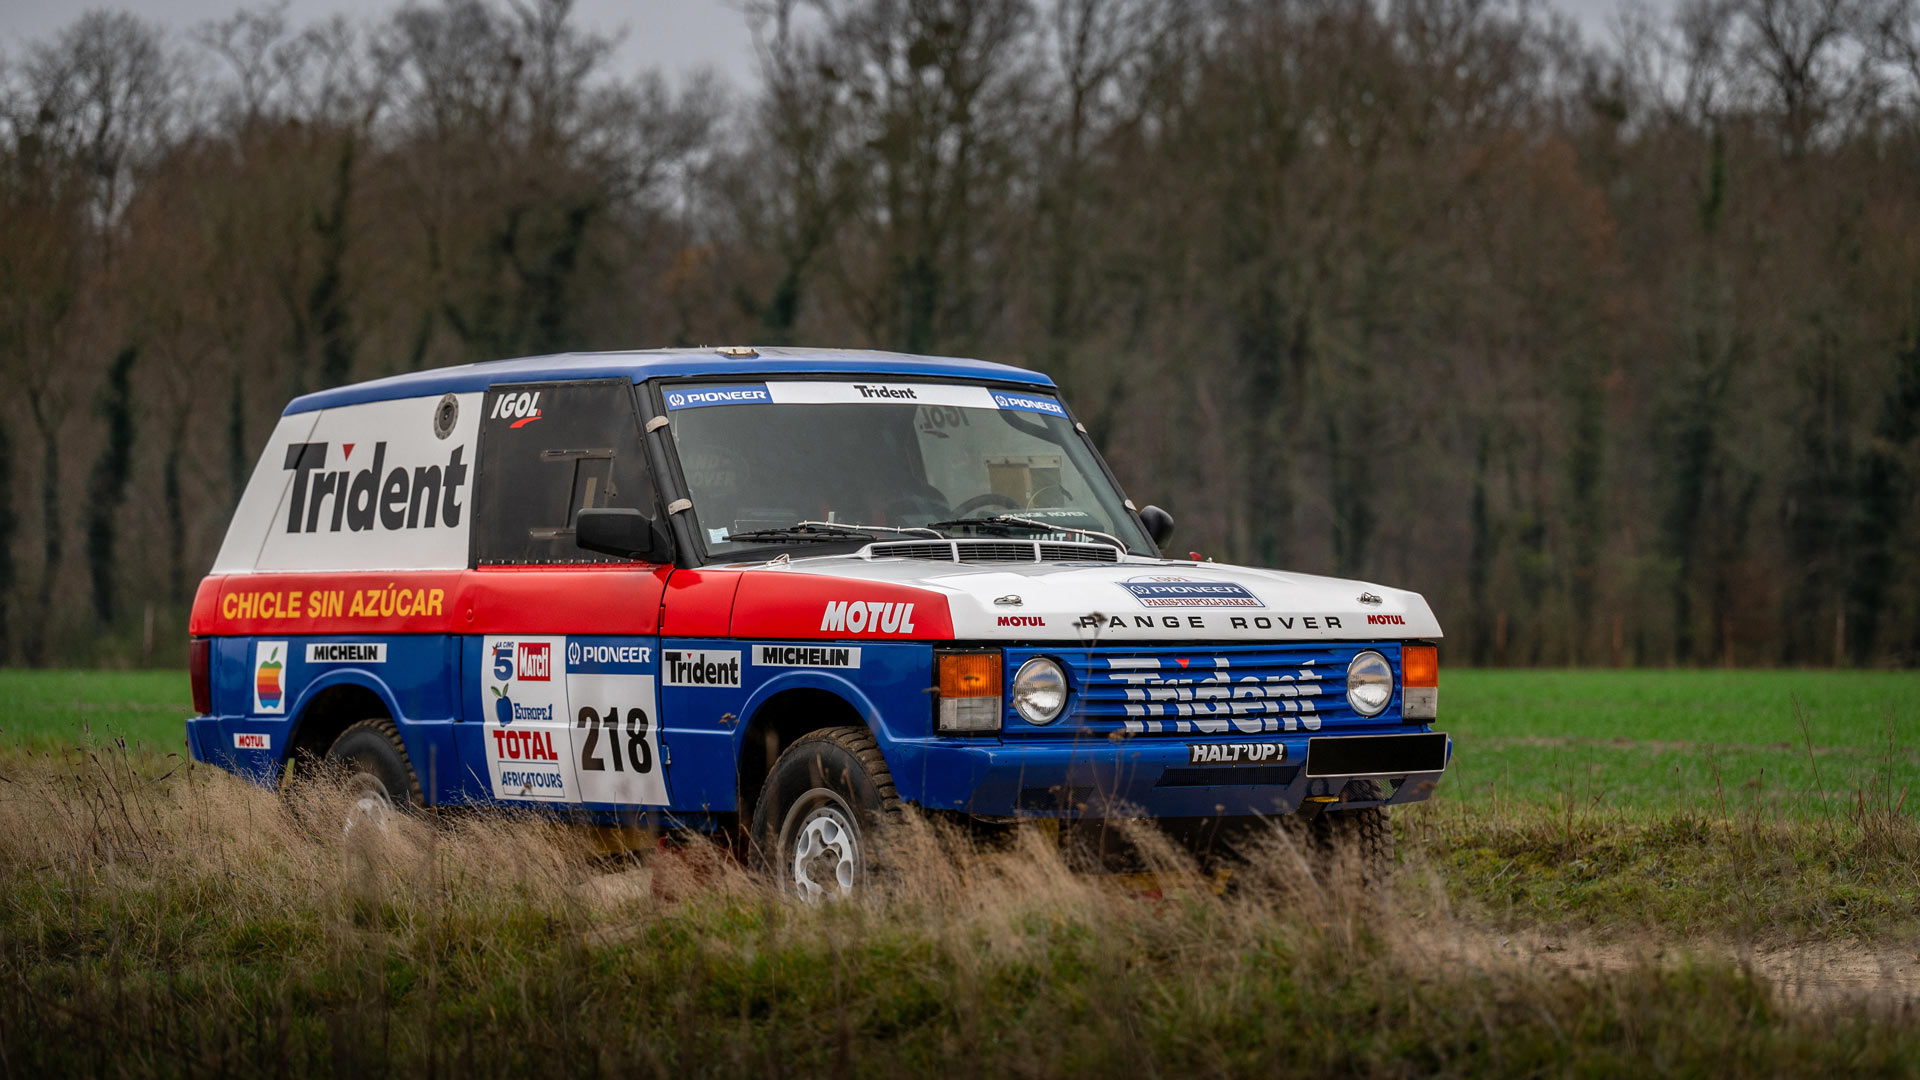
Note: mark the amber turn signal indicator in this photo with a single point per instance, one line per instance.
(969, 692)
(1420, 665)
(969, 675)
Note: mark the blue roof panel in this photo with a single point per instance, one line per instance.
(661, 363)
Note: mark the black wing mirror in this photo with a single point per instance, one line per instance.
(1159, 524)
(623, 532)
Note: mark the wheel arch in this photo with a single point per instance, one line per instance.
(333, 703)
(782, 711)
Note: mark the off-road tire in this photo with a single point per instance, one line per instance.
(1362, 839)
(826, 780)
(371, 755)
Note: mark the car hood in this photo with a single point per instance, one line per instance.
(1135, 599)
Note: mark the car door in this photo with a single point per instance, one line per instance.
(564, 707)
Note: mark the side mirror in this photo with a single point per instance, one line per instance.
(622, 532)
(1159, 524)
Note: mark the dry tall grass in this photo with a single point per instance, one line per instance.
(165, 920)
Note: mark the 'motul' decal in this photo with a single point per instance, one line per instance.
(867, 617)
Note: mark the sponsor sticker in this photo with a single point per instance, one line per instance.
(519, 409)
(1029, 403)
(252, 740)
(1241, 753)
(292, 604)
(718, 395)
(527, 721)
(827, 656)
(699, 667)
(1174, 591)
(603, 657)
(1022, 620)
(346, 652)
(867, 617)
(880, 393)
(533, 661)
(1207, 695)
(409, 497)
(380, 484)
(269, 677)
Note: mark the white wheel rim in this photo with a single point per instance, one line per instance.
(826, 849)
(370, 806)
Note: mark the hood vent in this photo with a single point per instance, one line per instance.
(994, 551)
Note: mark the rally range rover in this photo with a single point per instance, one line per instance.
(778, 594)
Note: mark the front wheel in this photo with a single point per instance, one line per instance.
(1359, 842)
(816, 825)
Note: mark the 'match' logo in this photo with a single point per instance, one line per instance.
(534, 661)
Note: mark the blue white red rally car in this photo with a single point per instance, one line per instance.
(779, 592)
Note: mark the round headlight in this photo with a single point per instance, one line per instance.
(1369, 683)
(1039, 690)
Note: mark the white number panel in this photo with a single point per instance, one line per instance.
(616, 751)
(615, 722)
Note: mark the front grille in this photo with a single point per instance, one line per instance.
(1227, 690)
(994, 551)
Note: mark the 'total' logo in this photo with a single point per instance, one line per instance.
(534, 661)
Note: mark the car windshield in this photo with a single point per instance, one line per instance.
(761, 459)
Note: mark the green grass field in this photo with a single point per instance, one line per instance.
(1717, 741)
(1626, 872)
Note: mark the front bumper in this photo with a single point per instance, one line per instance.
(1131, 777)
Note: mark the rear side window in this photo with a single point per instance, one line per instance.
(548, 451)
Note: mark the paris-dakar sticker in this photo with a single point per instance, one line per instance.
(1173, 591)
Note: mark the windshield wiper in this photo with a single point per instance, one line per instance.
(801, 532)
(1029, 523)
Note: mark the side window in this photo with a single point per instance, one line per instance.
(548, 451)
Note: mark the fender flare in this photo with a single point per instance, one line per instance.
(806, 679)
(336, 677)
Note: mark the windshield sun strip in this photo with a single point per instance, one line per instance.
(694, 534)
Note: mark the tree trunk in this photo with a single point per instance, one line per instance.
(9, 526)
(107, 486)
(52, 548)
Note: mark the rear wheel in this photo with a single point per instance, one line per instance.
(380, 780)
(816, 826)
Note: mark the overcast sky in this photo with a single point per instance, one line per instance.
(678, 35)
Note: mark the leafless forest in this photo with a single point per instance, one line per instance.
(1611, 348)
